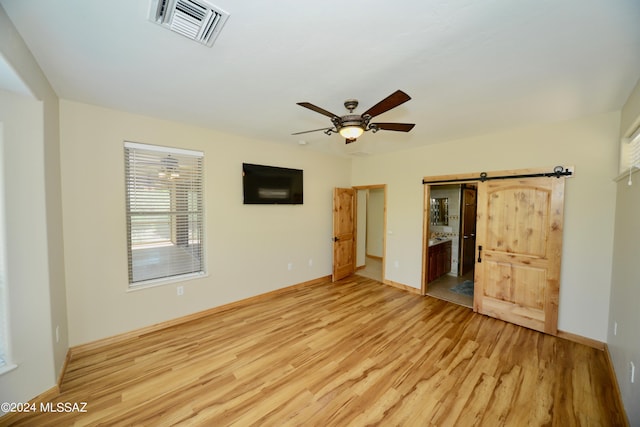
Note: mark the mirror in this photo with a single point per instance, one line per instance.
(440, 211)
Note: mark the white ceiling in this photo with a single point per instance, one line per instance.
(471, 66)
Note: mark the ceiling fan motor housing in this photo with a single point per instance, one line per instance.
(351, 120)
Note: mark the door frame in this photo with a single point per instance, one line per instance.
(461, 178)
(426, 218)
(383, 187)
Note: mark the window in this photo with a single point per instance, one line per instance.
(165, 218)
(635, 150)
(630, 154)
(630, 150)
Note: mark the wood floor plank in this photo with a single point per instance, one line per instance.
(353, 353)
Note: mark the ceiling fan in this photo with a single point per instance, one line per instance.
(351, 126)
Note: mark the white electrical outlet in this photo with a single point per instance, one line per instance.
(632, 372)
(615, 328)
(310, 262)
(396, 264)
(290, 266)
(180, 290)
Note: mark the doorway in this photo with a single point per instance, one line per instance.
(450, 226)
(370, 231)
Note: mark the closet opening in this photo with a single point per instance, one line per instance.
(370, 231)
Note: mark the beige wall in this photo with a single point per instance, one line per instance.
(375, 222)
(248, 247)
(26, 275)
(624, 345)
(589, 144)
(33, 211)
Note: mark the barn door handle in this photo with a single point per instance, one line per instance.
(335, 239)
(480, 254)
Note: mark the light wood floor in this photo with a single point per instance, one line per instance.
(354, 353)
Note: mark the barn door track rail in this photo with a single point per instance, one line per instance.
(558, 171)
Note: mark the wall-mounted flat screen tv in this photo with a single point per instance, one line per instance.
(271, 185)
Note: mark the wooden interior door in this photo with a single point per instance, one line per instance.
(344, 260)
(519, 243)
(468, 243)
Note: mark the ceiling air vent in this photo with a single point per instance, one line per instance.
(195, 19)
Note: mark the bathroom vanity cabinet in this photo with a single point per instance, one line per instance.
(439, 259)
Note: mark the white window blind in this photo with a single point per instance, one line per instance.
(635, 150)
(165, 215)
(630, 157)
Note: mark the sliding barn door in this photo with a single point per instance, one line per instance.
(344, 261)
(519, 242)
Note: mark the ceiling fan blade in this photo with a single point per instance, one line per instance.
(392, 101)
(316, 109)
(400, 127)
(309, 131)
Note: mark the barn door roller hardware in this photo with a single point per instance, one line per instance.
(558, 172)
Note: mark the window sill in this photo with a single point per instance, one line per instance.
(7, 368)
(162, 282)
(626, 173)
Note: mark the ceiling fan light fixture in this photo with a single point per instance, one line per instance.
(351, 132)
